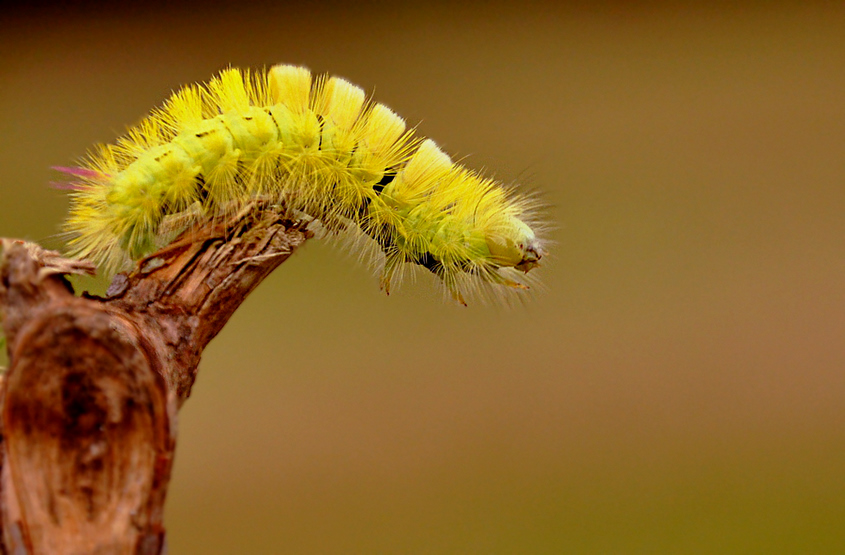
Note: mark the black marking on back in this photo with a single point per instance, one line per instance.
(322, 122)
(385, 180)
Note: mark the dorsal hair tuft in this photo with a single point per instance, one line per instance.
(229, 92)
(291, 86)
(342, 103)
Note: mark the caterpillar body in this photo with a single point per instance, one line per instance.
(316, 146)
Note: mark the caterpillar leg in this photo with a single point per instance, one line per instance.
(456, 295)
(515, 284)
(495, 277)
(392, 262)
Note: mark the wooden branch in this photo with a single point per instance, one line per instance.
(90, 400)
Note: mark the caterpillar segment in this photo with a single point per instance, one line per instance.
(315, 146)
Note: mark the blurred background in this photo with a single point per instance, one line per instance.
(678, 386)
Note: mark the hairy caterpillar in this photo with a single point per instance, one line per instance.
(318, 147)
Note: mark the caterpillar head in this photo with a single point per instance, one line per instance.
(516, 247)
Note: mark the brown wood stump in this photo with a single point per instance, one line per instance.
(91, 397)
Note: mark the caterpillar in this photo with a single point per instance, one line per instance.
(316, 146)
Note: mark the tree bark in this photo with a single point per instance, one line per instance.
(90, 400)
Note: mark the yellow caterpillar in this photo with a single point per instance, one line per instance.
(316, 146)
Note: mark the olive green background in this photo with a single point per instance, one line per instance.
(677, 386)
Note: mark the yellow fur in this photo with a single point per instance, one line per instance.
(318, 147)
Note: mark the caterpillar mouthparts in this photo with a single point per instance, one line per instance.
(315, 146)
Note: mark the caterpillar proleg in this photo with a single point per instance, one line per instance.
(316, 146)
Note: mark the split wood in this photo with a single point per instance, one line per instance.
(90, 401)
